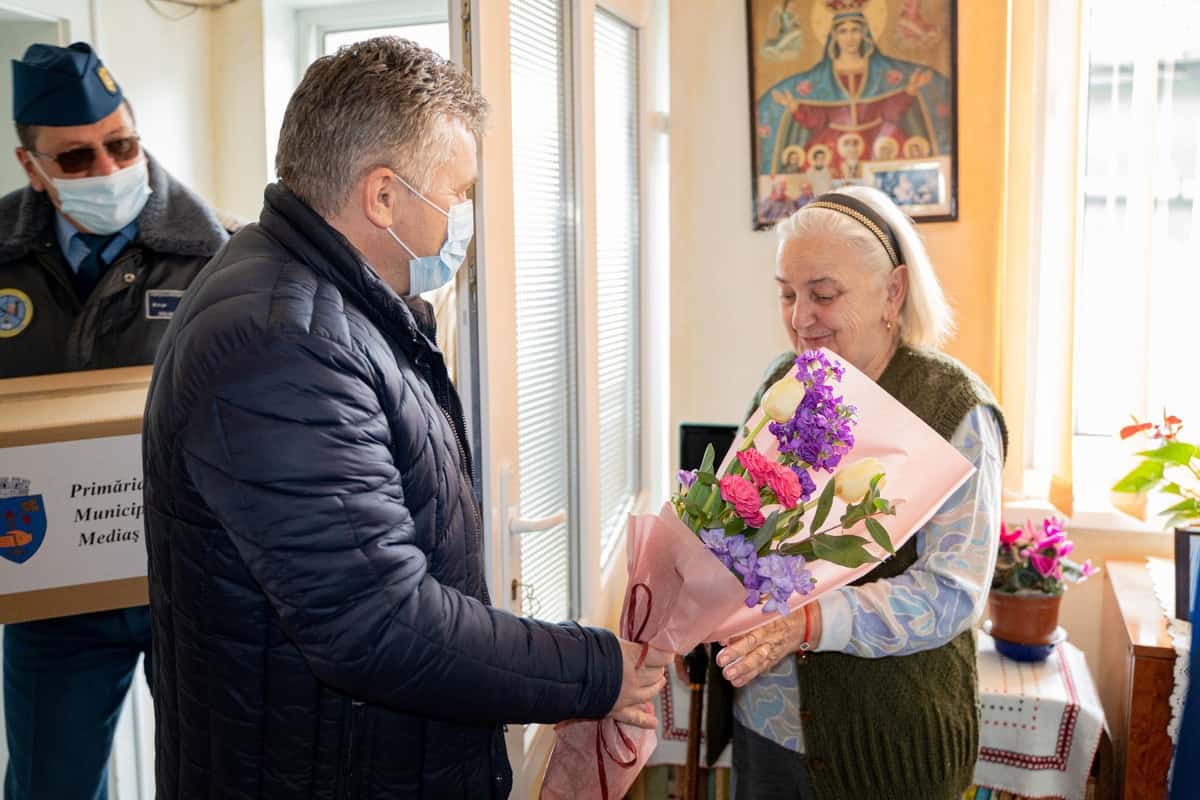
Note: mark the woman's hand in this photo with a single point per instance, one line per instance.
(746, 657)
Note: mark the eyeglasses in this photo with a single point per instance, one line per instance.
(80, 159)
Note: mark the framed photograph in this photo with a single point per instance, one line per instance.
(853, 92)
(1187, 561)
(919, 187)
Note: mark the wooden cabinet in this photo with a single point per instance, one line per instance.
(1136, 677)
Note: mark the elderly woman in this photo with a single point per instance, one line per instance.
(884, 703)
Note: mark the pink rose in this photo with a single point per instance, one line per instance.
(756, 465)
(785, 484)
(805, 88)
(743, 495)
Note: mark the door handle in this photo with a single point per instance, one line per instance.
(517, 526)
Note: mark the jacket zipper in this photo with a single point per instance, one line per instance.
(348, 790)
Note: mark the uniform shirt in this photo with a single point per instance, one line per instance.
(75, 249)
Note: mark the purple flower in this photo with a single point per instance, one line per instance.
(807, 487)
(718, 544)
(687, 478)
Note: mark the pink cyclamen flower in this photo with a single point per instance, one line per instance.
(1054, 540)
(1010, 535)
(1086, 570)
(1066, 549)
(785, 484)
(756, 465)
(744, 496)
(1045, 565)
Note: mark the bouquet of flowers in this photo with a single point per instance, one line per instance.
(759, 501)
(1033, 560)
(778, 524)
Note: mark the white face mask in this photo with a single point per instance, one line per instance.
(426, 273)
(107, 203)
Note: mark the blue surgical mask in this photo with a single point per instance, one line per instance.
(426, 273)
(107, 203)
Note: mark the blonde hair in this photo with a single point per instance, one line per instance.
(926, 319)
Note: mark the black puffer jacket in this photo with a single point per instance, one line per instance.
(321, 628)
(115, 326)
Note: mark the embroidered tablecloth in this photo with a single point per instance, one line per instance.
(672, 707)
(1041, 723)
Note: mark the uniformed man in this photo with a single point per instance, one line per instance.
(94, 255)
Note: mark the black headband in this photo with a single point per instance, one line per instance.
(857, 209)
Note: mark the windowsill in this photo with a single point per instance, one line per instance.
(1087, 516)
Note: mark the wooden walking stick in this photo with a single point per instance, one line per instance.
(696, 664)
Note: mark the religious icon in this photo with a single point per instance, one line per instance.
(853, 83)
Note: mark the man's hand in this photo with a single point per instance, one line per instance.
(746, 657)
(639, 685)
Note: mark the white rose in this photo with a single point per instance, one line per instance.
(780, 401)
(852, 482)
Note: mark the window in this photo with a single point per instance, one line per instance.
(434, 35)
(618, 272)
(1136, 220)
(545, 253)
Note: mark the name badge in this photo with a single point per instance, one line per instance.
(161, 303)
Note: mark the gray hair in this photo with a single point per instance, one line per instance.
(382, 102)
(926, 319)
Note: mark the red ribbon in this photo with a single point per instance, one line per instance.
(634, 633)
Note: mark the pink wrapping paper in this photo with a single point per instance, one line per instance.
(679, 595)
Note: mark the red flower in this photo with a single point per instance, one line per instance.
(756, 466)
(805, 88)
(785, 484)
(942, 110)
(894, 76)
(764, 131)
(743, 495)
(1133, 430)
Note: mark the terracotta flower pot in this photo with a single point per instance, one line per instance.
(1024, 618)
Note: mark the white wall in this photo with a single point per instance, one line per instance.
(163, 68)
(725, 326)
(15, 36)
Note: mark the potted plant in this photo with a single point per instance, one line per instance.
(1171, 468)
(1032, 572)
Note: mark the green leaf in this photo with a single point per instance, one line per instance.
(1142, 477)
(1171, 488)
(707, 478)
(697, 496)
(854, 515)
(873, 493)
(880, 534)
(762, 539)
(824, 503)
(883, 506)
(844, 550)
(1185, 511)
(1172, 453)
(804, 548)
(735, 527)
(710, 455)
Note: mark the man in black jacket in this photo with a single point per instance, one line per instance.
(321, 622)
(94, 255)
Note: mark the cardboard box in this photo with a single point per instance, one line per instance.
(71, 538)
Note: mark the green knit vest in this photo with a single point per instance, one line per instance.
(900, 727)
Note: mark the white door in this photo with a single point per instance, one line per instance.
(570, 435)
